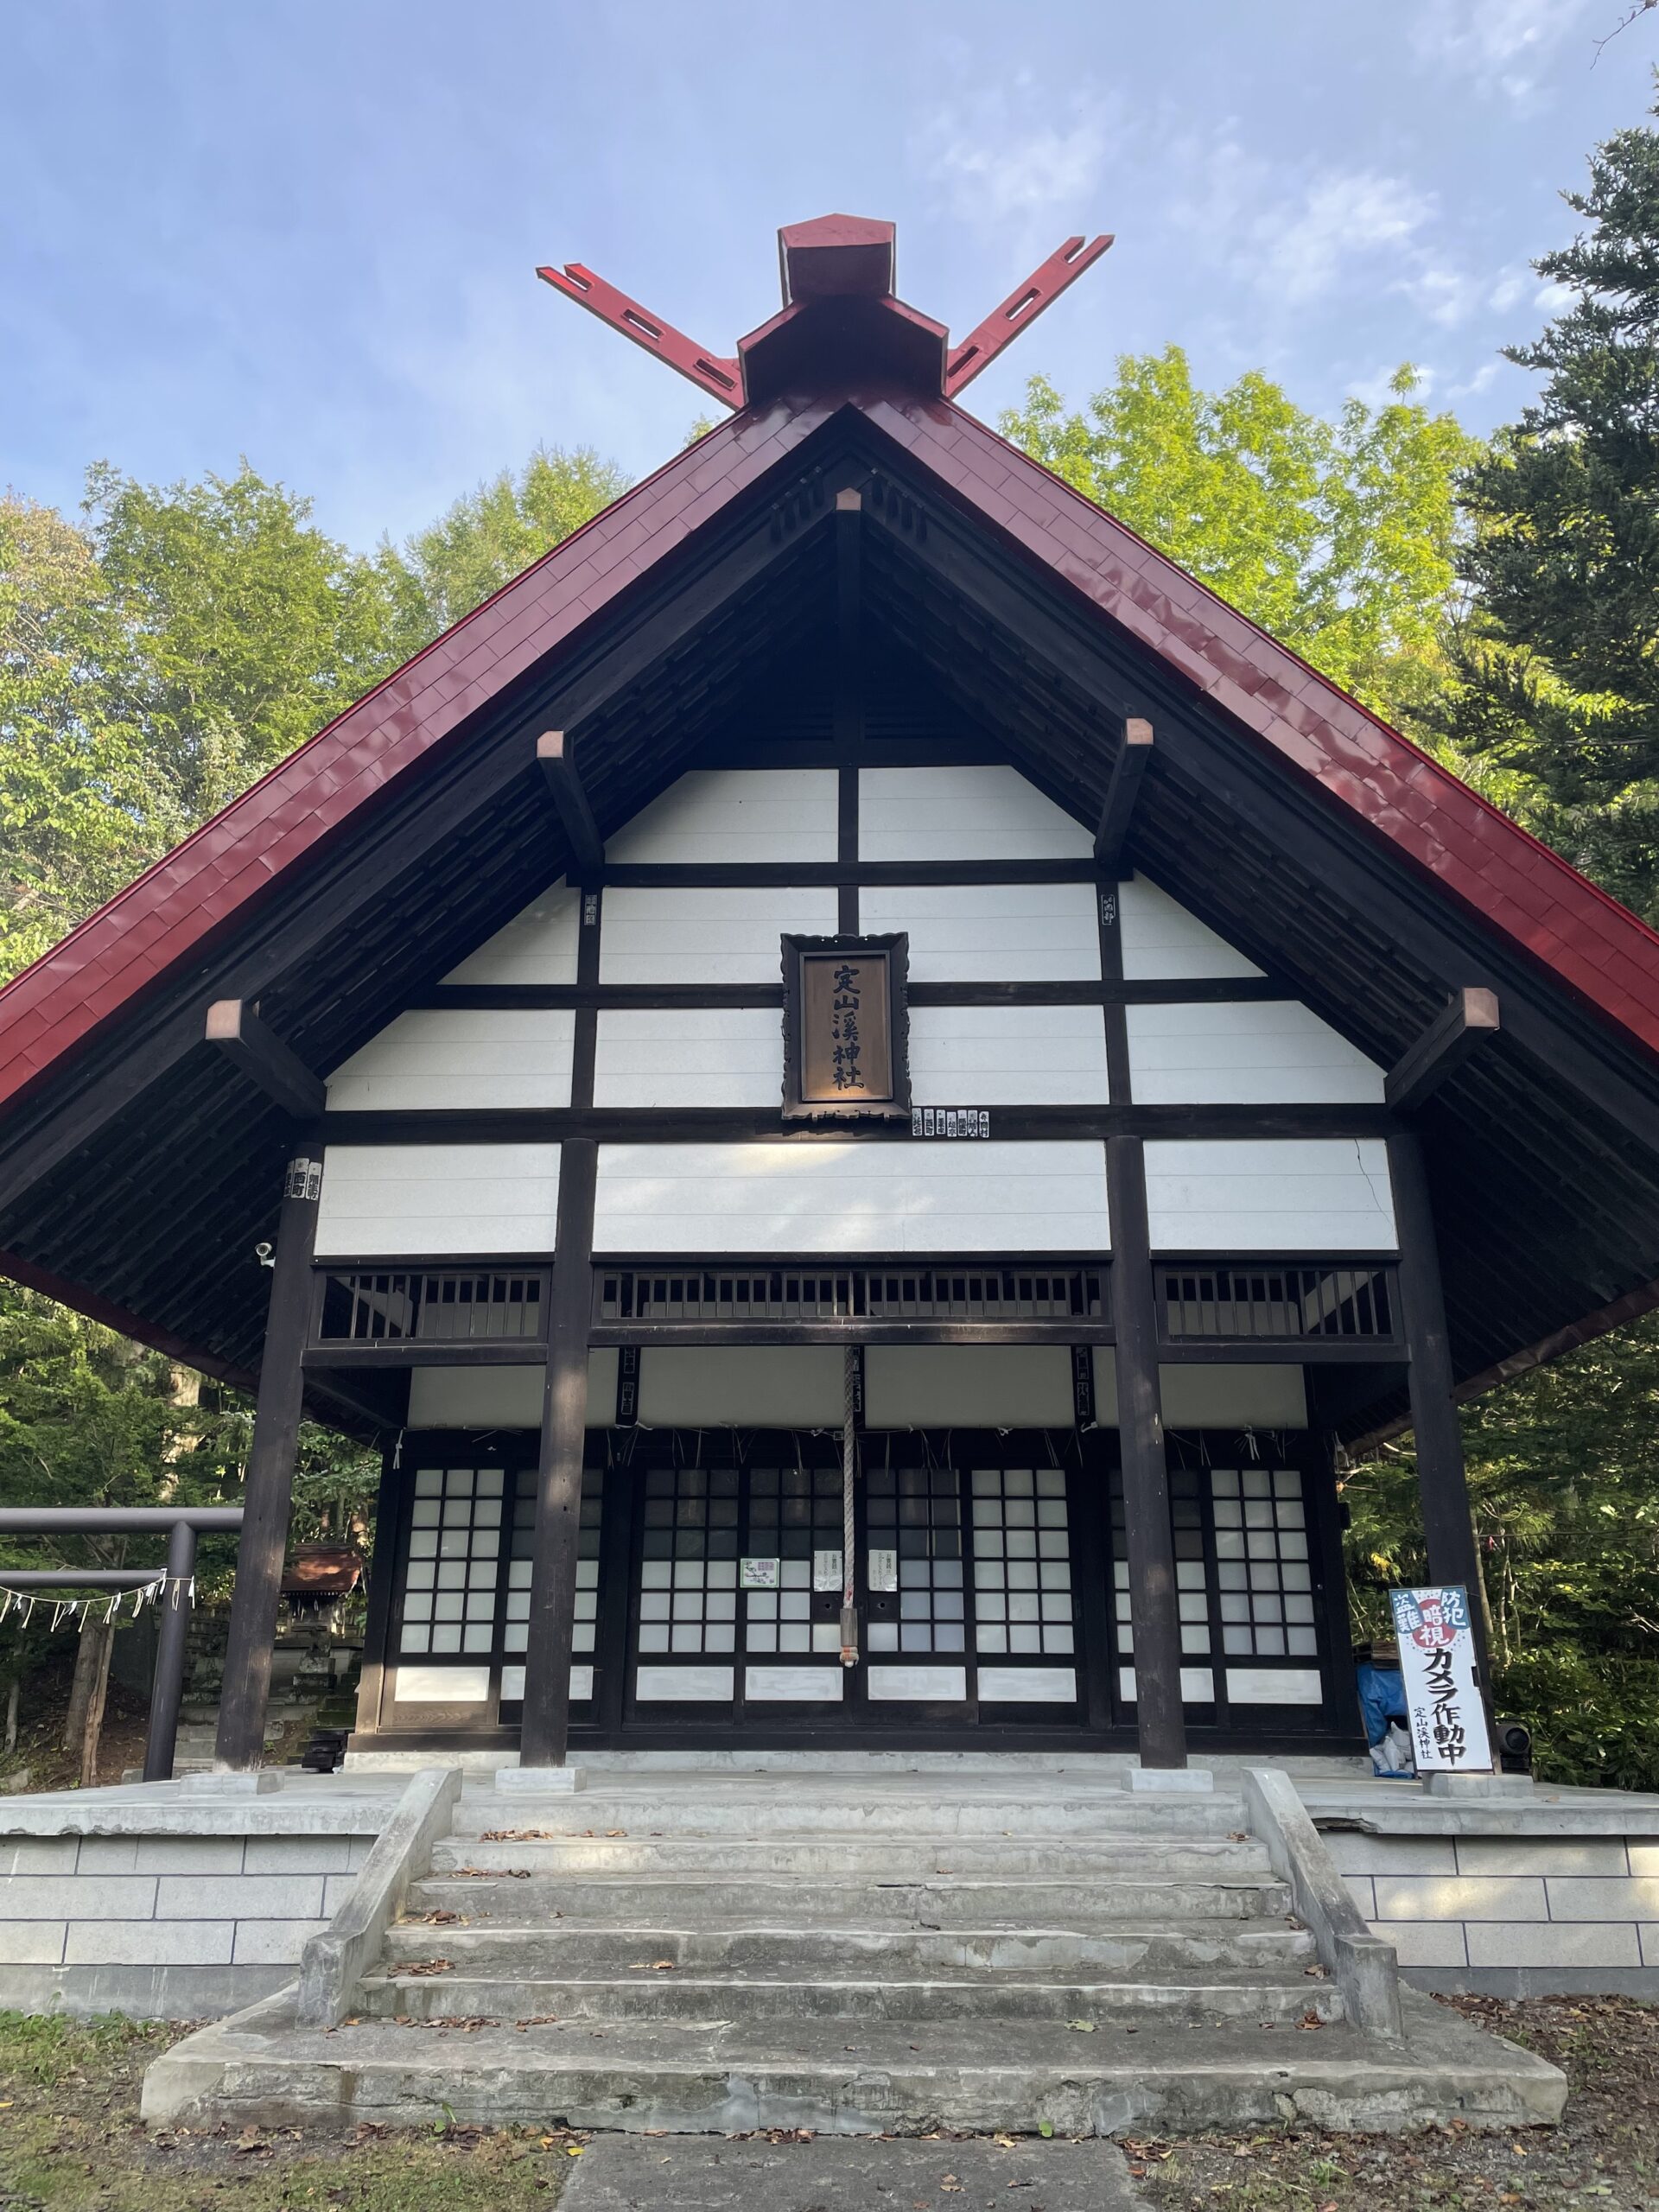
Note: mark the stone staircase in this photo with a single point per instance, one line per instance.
(890, 1953)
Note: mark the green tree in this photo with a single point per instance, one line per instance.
(234, 628)
(490, 535)
(1338, 538)
(76, 795)
(1558, 665)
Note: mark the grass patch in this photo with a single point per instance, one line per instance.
(70, 2141)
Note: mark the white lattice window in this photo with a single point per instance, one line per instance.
(1261, 1563)
(1023, 1561)
(454, 1554)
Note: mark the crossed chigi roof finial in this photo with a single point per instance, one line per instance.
(841, 321)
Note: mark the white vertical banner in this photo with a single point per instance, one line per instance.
(1436, 1638)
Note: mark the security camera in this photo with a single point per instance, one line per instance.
(266, 1254)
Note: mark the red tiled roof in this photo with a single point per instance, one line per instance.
(1515, 884)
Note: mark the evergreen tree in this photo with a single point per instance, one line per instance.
(1558, 660)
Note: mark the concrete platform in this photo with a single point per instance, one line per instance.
(716, 2076)
(631, 2173)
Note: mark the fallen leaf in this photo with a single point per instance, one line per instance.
(1309, 2020)
(1046, 2129)
(1003, 2142)
(419, 1967)
(1081, 2027)
(1317, 1974)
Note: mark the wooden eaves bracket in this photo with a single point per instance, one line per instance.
(1117, 810)
(1448, 1040)
(556, 753)
(261, 1055)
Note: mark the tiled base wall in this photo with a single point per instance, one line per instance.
(178, 1928)
(1511, 1915)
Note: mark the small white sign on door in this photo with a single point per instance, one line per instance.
(884, 1570)
(826, 1571)
(1437, 1658)
(759, 1574)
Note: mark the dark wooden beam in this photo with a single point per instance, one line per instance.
(261, 1055)
(1442, 1480)
(545, 1728)
(556, 754)
(268, 1485)
(1118, 811)
(1449, 1039)
(1154, 1614)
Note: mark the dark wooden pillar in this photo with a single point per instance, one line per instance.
(1154, 1607)
(1448, 1524)
(544, 1731)
(269, 1490)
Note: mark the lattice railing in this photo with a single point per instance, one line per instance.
(848, 1293)
(430, 1306)
(1301, 1300)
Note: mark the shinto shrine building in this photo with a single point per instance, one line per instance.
(861, 1083)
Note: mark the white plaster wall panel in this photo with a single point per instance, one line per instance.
(740, 1386)
(962, 814)
(1275, 1053)
(437, 1060)
(797, 1685)
(1027, 1685)
(538, 946)
(927, 1685)
(689, 1056)
(1161, 938)
(1007, 1056)
(441, 1685)
(1326, 1194)
(699, 1684)
(1275, 1686)
(693, 935)
(503, 1397)
(826, 1196)
(716, 815)
(383, 1201)
(967, 1386)
(990, 932)
(1222, 1397)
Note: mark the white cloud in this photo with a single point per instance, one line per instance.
(1446, 295)
(1305, 247)
(1505, 46)
(1485, 377)
(1509, 289)
(1554, 297)
(1003, 155)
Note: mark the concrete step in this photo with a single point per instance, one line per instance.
(697, 1996)
(950, 1900)
(902, 1856)
(260, 2067)
(737, 1808)
(906, 1951)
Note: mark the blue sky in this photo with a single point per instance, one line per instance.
(305, 229)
